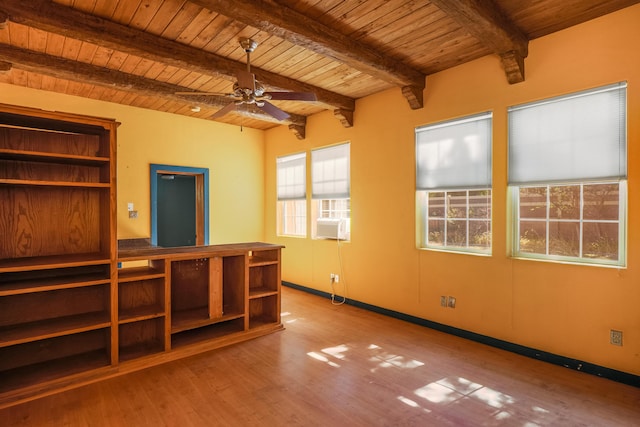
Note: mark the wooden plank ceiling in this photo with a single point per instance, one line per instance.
(141, 52)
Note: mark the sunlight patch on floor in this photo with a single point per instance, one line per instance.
(322, 358)
(437, 393)
(492, 397)
(337, 351)
(461, 395)
(383, 359)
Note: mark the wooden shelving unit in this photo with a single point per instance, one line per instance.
(264, 288)
(74, 309)
(57, 246)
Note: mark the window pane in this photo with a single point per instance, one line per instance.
(457, 202)
(480, 204)
(601, 201)
(564, 238)
(292, 217)
(436, 232)
(457, 233)
(533, 237)
(533, 202)
(436, 204)
(565, 202)
(601, 240)
(480, 234)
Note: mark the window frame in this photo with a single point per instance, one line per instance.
(514, 202)
(296, 198)
(319, 197)
(585, 159)
(423, 202)
(446, 182)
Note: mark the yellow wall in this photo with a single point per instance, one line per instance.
(559, 308)
(234, 159)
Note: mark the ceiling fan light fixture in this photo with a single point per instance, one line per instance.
(195, 108)
(249, 45)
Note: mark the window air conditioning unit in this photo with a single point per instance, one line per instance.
(331, 228)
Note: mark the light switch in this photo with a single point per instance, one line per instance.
(130, 206)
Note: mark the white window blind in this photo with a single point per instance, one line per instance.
(578, 137)
(292, 177)
(330, 172)
(454, 154)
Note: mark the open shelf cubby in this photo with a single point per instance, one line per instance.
(207, 332)
(141, 338)
(53, 358)
(264, 311)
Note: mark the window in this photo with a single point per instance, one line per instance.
(292, 195)
(567, 173)
(453, 184)
(330, 173)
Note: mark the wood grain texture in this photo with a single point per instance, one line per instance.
(48, 221)
(339, 365)
(340, 50)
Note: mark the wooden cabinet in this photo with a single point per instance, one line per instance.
(68, 314)
(57, 246)
(221, 293)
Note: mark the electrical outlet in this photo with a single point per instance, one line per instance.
(615, 337)
(443, 301)
(133, 214)
(452, 302)
(336, 278)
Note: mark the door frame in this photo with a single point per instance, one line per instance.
(202, 198)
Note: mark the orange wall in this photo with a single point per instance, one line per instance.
(560, 308)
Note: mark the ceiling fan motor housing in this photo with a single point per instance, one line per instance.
(249, 45)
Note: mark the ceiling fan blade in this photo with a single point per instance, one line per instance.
(204, 93)
(227, 109)
(246, 80)
(292, 96)
(274, 111)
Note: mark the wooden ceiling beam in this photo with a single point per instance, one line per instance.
(66, 21)
(484, 20)
(67, 69)
(282, 21)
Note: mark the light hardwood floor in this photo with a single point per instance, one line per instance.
(342, 366)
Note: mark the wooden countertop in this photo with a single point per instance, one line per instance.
(137, 250)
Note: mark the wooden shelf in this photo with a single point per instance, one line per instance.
(140, 313)
(195, 318)
(138, 273)
(51, 284)
(41, 156)
(261, 321)
(32, 182)
(43, 372)
(49, 328)
(140, 350)
(261, 292)
(210, 332)
(52, 262)
(255, 261)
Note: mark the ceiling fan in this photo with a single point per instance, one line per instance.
(248, 90)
